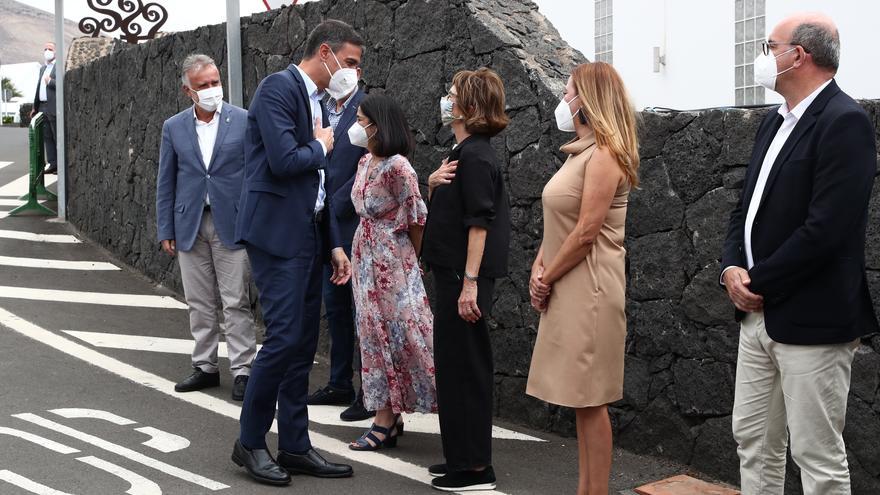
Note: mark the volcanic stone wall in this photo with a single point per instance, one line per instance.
(681, 349)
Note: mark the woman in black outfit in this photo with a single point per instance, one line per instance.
(465, 246)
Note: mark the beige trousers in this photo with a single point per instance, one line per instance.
(803, 388)
(207, 268)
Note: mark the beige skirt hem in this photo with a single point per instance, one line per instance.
(574, 405)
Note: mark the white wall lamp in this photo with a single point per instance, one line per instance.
(658, 59)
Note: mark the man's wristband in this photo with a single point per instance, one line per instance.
(470, 277)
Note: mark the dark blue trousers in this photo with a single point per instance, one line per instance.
(339, 308)
(290, 297)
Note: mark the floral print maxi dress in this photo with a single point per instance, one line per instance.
(394, 320)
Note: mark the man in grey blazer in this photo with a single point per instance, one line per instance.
(44, 101)
(201, 162)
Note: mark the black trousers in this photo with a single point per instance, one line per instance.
(49, 126)
(464, 373)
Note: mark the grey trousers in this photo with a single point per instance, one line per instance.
(207, 268)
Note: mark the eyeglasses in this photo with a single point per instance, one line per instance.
(767, 45)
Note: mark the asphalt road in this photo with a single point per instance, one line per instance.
(88, 405)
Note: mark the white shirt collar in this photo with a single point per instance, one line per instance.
(216, 113)
(311, 87)
(799, 109)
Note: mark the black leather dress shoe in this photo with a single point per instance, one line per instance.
(312, 464)
(356, 411)
(260, 465)
(50, 170)
(239, 387)
(331, 396)
(197, 381)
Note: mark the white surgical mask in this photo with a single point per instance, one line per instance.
(342, 82)
(765, 69)
(357, 135)
(564, 117)
(49, 55)
(446, 115)
(210, 98)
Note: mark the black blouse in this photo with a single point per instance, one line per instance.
(475, 197)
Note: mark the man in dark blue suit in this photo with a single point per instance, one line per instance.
(794, 265)
(338, 305)
(287, 224)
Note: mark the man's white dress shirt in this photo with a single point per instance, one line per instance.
(315, 100)
(207, 133)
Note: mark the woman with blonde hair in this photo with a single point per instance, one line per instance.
(578, 281)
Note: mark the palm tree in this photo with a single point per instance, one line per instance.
(8, 86)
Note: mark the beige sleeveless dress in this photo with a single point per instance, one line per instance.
(578, 356)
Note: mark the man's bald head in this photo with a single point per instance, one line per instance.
(49, 46)
(816, 33)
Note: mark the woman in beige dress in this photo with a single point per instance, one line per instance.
(578, 282)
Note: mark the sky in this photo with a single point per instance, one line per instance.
(190, 14)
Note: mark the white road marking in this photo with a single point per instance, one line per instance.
(77, 413)
(19, 186)
(28, 484)
(119, 450)
(103, 298)
(143, 343)
(139, 484)
(11, 202)
(203, 400)
(28, 236)
(162, 440)
(5, 164)
(57, 264)
(37, 439)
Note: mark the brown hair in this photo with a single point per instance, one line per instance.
(605, 103)
(480, 99)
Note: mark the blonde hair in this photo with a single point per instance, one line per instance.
(480, 98)
(605, 103)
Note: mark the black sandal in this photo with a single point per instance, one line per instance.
(363, 443)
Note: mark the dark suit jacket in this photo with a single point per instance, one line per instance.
(184, 180)
(282, 159)
(48, 107)
(808, 237)
(341, 168)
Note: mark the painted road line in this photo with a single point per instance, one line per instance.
(36, 439)
(321, 442)
(104, 298)
(19, 186)
(325, 415)
(77, 413)
(143, 343)
(139, 484)
(119, 450)
(162, 440)
(5, 164)
(28, 484)
(29, 236)
(57, 264)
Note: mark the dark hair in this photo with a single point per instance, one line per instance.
(334, 33)
(392, 134)
(480, 98)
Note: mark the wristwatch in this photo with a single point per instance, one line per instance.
(472, 278)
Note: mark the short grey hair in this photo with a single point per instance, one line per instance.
(820, 41)
(194, 62)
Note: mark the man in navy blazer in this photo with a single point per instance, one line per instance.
(794, 265)
(287, 223)
(201, 162)
(342, 166)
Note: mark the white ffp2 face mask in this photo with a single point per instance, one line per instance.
(765, 69)
(49, 55)
(342, 82)
(210, 98)
(357, 135)
(564, 117)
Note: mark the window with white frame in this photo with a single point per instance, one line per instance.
(750, 31)
(604, 33)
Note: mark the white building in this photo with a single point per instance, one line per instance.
(24, 78)
(705, 48)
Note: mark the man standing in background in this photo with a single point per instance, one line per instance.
(44, 101)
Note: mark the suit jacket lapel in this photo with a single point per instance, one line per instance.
(804, 124)
(222, 129)
(763, 144)
(301, 90)
(190, 125)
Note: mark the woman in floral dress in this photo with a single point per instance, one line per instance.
(394, 320)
